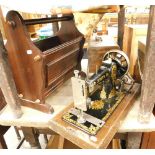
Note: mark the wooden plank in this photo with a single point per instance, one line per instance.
(127, 38)
(139, 66)
(132, 34)
(105, 135)
(121, 21)
(148, 86)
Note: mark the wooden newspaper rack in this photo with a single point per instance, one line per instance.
(40, 67)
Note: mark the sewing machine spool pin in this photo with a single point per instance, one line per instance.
(81, 118)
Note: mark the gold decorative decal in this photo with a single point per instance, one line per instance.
(98, 104)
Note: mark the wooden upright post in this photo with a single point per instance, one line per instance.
(7, 84)
(148, 81)
(121, 21)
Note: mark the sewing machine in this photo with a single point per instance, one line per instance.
(97, 96)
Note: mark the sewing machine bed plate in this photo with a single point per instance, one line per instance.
(95, 119)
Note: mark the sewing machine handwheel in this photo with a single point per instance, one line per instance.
(121, 59)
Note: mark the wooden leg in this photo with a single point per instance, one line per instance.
(46, 139)
(17, 133)
(3, 130)
(55, 142)
(116, 144)
(148, 140)
(2, 143)
(70, 145)
(58, 142)
(109, 146)
(20, 143)
(31, 136)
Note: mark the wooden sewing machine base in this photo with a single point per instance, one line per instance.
(94, 118)
(105, 134)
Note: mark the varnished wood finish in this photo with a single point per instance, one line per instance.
(105, 135)
(52, 60)
(148, 140)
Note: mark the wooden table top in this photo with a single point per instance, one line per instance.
(34, 118)
(62, 99)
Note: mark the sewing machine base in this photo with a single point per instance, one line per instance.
(94, 119)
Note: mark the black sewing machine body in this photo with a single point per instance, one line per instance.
(99, 94)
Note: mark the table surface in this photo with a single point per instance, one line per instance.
(60, 99)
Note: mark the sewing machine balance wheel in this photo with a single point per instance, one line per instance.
(121, 59)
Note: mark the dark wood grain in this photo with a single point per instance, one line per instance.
(52, 60)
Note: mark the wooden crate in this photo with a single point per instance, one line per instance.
(132, 34)
(139, 66)
(141, 53)
(97, 50)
